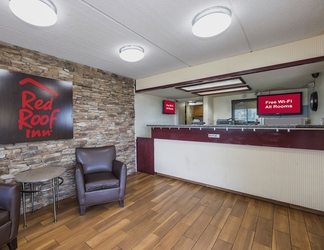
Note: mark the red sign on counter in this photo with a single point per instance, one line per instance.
(280, 104)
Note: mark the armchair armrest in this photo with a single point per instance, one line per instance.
(10, 201)
(10, 197)
(79, 182)
(120, 171)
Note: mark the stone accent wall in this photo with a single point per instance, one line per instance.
(103, 114)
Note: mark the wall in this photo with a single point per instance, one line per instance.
(208, 110)
(188, 114)
(181, 109)
(315, 116)
(148, 111)
(299, 50)
(103, 114)
(222, 108)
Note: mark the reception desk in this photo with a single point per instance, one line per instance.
(280, 163)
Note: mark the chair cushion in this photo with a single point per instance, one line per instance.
(4, 217)
(100, 181)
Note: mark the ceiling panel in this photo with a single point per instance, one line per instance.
(267, 23)
(91, 32)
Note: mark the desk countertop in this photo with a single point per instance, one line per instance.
(284, 126)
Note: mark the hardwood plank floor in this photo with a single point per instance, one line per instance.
(165, 213)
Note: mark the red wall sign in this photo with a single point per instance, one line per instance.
(168, 107)
(280, 104)
(34, 108)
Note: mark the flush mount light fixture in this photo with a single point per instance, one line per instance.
(36, 12)
(131, 53)
(211, 21)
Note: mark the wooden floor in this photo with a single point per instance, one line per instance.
(164, 213)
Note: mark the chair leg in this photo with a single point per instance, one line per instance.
(82, 210)
(121, 203)
(13, 244)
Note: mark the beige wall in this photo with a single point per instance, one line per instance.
(316, 116)
(300, 50)
(148, 111)
(103, 114)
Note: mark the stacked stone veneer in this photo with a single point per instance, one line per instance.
(103, 114)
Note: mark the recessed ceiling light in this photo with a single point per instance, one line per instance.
(211, 21)
(221, 91)
(131, 53)
(36, 12)
(214, 84)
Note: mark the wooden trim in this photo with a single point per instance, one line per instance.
(282, 138)
(238, 73)
(145, 155)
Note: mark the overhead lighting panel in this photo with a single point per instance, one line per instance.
(222, 83)
(222, 91)
(215, 86)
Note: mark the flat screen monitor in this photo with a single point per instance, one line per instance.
(280, 104)
(168, 107)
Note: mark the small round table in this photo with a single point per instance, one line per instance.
(38, 178)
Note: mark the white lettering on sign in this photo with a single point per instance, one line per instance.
(285, 101)
(284, 104)
(213, 135)
(169, 106)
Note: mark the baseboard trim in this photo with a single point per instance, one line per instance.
(280, 203)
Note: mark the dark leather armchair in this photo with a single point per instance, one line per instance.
(9, 214)
(99, 177)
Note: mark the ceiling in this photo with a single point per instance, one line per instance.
(91, 32)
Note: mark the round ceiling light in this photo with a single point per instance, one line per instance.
(36, 12)
(131, 53)
(211, 21)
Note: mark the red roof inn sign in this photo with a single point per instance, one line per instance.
(34, 108)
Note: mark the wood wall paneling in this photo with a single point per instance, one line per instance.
(145, 155)
(286, 138)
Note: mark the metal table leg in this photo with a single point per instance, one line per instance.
(24, 203)
(58, 179)
(32, 196)
(54, 198)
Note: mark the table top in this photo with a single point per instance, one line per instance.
(40, 174)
